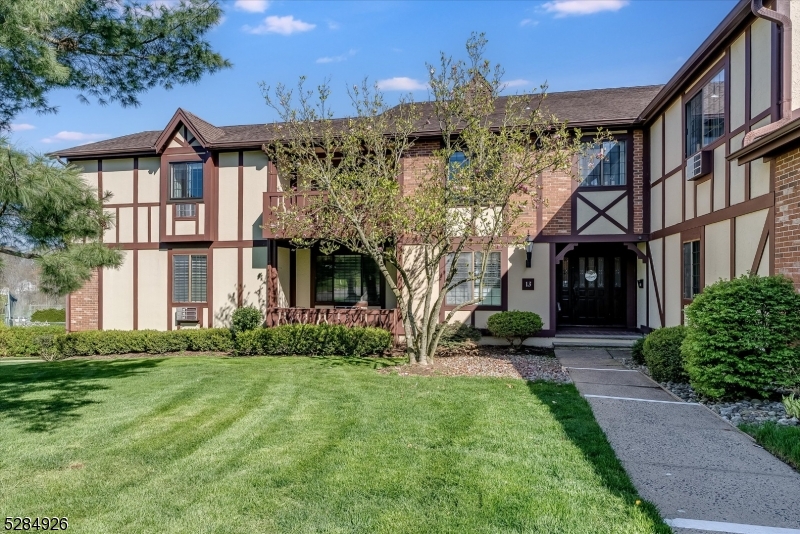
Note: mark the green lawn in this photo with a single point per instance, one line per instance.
(303, 445)
(782, 441)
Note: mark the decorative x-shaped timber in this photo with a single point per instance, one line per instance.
(601, 212)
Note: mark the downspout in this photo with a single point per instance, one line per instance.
(781, 18)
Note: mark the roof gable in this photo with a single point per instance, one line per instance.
(188, 130)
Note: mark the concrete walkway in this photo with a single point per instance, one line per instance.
(702, 474)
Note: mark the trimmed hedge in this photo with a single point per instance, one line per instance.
(26, 341)
(107, 342)
(50, 315)
(742, 336)
(314, 340)
(514, 325)
(662, 354)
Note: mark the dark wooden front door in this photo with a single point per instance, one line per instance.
(592, 287)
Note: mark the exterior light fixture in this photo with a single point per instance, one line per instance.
(528, 251)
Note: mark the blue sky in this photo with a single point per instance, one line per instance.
(571, 44)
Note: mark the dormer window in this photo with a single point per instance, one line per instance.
(186, 180)
(705, 115)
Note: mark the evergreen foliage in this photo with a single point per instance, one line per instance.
(109, 50)
(743, 336)
(662, 354)
(50, 315)
(244, 319)
(314, 340)
(514, 326)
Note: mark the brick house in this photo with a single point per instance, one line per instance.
(699, 183)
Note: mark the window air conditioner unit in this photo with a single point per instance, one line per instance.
(699, 165)
(188, 315)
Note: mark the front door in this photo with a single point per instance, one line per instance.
(592, 288)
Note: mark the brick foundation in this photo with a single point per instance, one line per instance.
(84, 307)
(787, 215)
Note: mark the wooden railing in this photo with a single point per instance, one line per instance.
(274, 202)
(386, 319)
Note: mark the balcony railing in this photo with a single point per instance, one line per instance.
(276, 201)
(386, 319)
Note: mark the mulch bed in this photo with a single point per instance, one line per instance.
(529, 363)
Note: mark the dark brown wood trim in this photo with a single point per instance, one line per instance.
(742, 208)
(116, 224)
(762, 242)
(560, 256)
(131, 204)
(240, 177)
(135, 207)
(553, 263)
(664, 282)
(100, 269)
(239, 276)
(135, 255)
(293, 277)
(732, 251)
(602, 212)
(639, 254)
(655, 285)
(611, 238)
(664, 168)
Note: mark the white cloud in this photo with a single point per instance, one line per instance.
(516, 83)
(251, 6)
(74, 136)
(21, 127)
(401, 83)
(283, 25)
(565, 8)
(528, 22)
(333, 25)
(337, 59)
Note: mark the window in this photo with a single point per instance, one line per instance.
(705, 115)
(604, 164)
(187, 180)
(467, 263)
(457, 161)
(189, 277)
(347, 279)
(691, 269)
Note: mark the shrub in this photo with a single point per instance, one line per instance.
(457, 335)
(314, 340)
(792, 405)
(741, 336)
(244, 319)
(637, 351)
(26, 341)
(514, 325)
(50, 315)
(662, 354)
(106, 342)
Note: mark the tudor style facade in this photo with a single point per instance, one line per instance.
(675, 203)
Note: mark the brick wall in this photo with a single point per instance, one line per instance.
(638, 182)
(557, 188)
(787, 215)
(83, 306)
(416, 160)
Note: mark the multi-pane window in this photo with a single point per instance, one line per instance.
(185, 210)
(186, 180)
(604, 164)
(468, 290)
(347, 279)
(705, 115)
(691, 269)
(189, 277)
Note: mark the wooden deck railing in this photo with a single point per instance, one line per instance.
(276, 201)
(386, 319)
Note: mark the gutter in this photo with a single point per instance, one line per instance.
(781, 18)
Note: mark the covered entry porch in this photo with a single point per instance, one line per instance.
(596, 287)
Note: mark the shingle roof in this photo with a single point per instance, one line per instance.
(616, 106)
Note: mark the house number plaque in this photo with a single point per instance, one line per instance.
(590, 275)
(527, 284)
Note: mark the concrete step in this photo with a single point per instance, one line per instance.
(594, 342)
